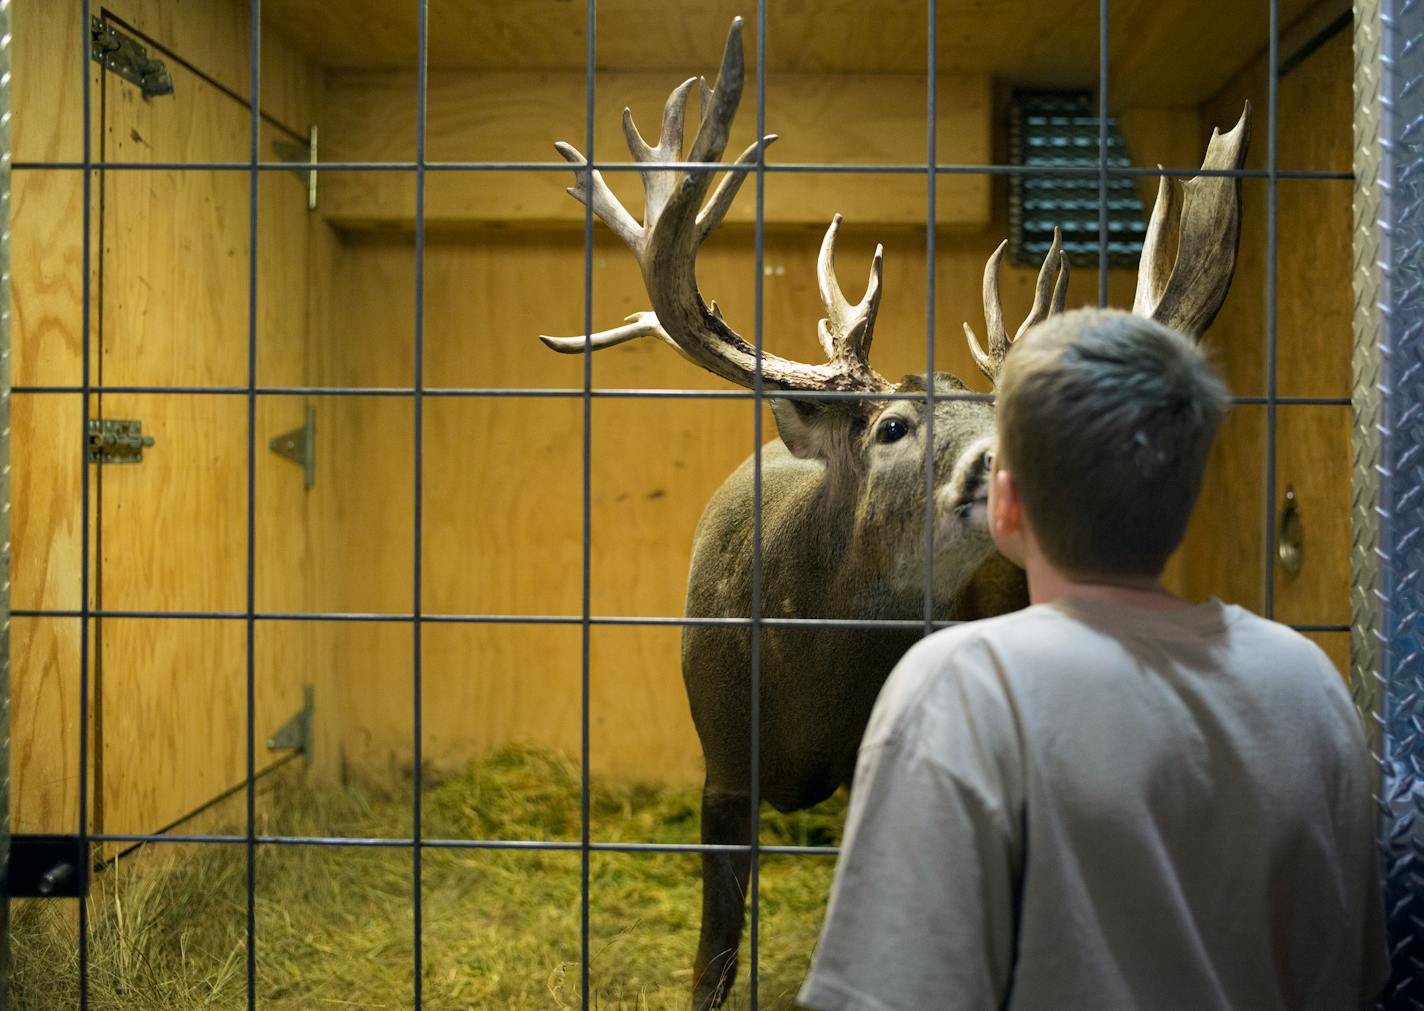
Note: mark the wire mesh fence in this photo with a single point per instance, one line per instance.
(420, 394)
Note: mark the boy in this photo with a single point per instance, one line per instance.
(1112, 799)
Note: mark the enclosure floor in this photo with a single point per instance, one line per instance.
(500, 929)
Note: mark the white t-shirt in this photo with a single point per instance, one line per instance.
(1087, 806)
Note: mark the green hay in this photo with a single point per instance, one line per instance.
(500, 928)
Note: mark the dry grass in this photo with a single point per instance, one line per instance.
(500, 928)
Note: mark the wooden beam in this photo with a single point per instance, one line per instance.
(838, 119)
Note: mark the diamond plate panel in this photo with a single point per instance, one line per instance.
(1387, 647)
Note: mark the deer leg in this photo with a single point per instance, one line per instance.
(726, 819)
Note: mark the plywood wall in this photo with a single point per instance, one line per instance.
(169, 283)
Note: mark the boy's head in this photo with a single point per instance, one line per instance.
(1105, 420)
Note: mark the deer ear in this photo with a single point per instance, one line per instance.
(817, 430)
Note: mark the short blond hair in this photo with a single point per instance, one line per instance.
(1105, 420)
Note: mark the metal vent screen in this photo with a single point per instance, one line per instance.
(1058, 131)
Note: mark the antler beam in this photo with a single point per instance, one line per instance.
(676, 223)
(1186, 292)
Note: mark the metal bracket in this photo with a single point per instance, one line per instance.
(112, 440)
(299, 446)
(127, 58)
(1290, 536)
(301, 154)
(296, 733)
(47, 867)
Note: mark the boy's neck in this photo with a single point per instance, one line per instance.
(1047, 584)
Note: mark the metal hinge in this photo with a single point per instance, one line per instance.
(47, 867)
(113, 440)
(127, 58)
(299, 446)
(300, 155)
(296, 733)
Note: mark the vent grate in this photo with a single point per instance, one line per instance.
(1059, 130)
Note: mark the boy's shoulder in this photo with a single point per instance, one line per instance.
(987, 654)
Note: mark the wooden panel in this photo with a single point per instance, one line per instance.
(47, 67)
(169, 696)
(172, 699)
(1223, 554)
(1224, 549)
(1165, 136)
(217, 39)
(44, 717)
(1162, 53)
(46, 347)
(510, 116)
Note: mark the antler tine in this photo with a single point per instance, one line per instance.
(640, 324)
(1049, 297)
(993, 320)
(726, 191)
(1053, 263)
(659, 183)
(1060, 289)
(1155, 264)
(719, 105)
(847, 330)
(608, 208)
(1208, 232)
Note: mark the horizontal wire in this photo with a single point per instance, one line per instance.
(376, 842)
(636, 621)
(771, 167)
(556, 393)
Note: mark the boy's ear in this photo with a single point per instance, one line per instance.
(1006, 518)
(817, 430)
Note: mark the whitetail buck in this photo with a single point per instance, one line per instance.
(843, 508)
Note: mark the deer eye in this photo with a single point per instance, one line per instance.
(891, 430)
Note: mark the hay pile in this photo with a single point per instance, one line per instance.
(501, 929)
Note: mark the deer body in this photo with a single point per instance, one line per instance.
(823, 556)
(846, 494)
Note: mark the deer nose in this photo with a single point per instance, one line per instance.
(976, 478)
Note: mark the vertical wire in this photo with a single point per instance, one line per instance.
(754, 707)
(418, 511)
(85, 323)
(586, 625)
(931, 216)
(1272, 108)
(1103, 152)
(250, 622)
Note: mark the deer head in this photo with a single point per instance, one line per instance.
(873, 448)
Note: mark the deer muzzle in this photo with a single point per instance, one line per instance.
(962, 502)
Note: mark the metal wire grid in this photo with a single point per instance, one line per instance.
(417, 843)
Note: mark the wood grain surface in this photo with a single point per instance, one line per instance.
(509, 116)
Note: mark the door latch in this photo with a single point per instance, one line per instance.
(112, 440)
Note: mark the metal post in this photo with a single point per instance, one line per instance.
(1387, 639)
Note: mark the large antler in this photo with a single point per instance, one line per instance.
(1184, 291)
(676, 224)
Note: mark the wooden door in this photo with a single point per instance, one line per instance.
(174, 327)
